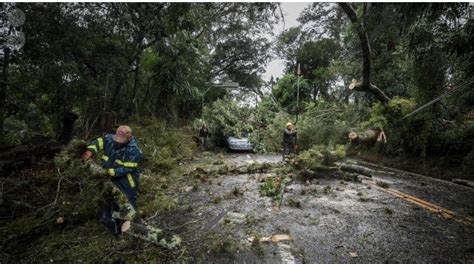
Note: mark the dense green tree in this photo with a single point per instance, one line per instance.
(108, 61)
(286, 92)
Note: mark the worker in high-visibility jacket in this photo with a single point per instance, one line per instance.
(119, 155)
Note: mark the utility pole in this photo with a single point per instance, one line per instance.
(298, 72)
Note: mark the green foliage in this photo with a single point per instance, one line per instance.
(226, 118)
(327, 122)
(274, 186)
(319, 156)
(89, 242)
(132, 59)
(401, 106)
(314, 57)
(163, 146)
(70, 192)
(381, 116)
(268, 136)
(417, 49)
(377, 117)
(152, 200)
(82, 188)
(270, 187)
(322, 122)
(286, 91)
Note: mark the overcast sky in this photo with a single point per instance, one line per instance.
(291, 12)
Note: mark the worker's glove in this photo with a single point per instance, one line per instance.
(87, 155)
(96, 168)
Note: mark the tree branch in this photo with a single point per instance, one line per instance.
(365, 84)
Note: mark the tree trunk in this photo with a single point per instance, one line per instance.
(3, 87)
(68, 120)
(357, 169)
(365, 84)
(115, 97)
(367, 138)
(137, 83)
(136, 86)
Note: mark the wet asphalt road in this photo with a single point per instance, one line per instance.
(332, 221)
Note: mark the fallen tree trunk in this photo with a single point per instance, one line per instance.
(368, 138)
(371, 88)
(357, 169)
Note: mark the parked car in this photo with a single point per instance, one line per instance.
(242, 143)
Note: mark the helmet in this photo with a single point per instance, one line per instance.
(289, 124)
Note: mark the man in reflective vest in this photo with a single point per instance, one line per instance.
(119, 156)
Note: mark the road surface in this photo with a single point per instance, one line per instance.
(329, 220)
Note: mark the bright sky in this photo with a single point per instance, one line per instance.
(291, 12)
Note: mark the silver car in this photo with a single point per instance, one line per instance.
(243, 143)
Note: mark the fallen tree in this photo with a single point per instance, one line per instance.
(367, 138)
(61, 196)
(326, 162)
(357, 169)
